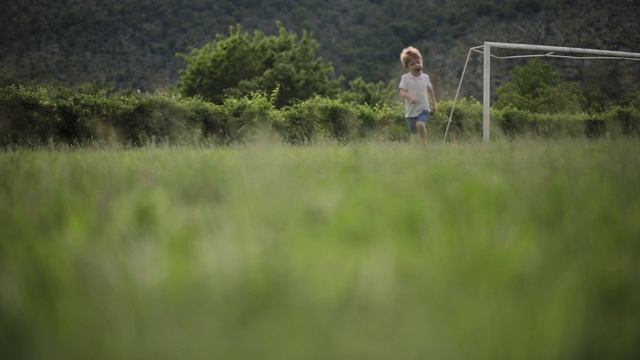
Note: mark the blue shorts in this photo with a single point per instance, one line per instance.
(423, 117)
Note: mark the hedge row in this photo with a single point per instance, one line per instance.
(37, 116)
(34, 116)
(616, 121)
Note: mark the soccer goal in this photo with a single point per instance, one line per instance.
(543, 51)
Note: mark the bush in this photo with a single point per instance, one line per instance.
(595, 128)
(389, 123)
(466, 119)
(362, 92)
(536, 87)
(79, 117)
(241, 64)
(377, 121)
(37, 116)
(141, 119)
(337, 119)
(300, 123)
(517, 123)
(251, 114)
(212, 120)
(25, 116)
(626, 119)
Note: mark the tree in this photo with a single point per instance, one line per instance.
(537, 87)
(241, 64)
(364, 92)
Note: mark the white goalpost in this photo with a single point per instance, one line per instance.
(549, 51)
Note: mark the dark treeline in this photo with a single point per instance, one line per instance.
(131, 44)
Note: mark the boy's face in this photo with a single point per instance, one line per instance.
(415, 66)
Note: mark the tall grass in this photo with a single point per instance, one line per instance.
(520, 250)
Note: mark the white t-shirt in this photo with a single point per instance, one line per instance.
(416, 86)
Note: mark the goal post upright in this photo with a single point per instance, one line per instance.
(486, 98)
(486, 92)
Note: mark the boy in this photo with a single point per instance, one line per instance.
(417, 92)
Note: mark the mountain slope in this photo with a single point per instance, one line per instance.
(132, 43)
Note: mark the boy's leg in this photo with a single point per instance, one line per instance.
(421, 127)
(413, 130)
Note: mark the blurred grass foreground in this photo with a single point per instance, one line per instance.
(507, 250)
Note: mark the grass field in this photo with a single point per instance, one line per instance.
(521, 250)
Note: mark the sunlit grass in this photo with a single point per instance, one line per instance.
(371, 251)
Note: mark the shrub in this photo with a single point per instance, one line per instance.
(344, 122)
(300, 123)
(35, 116)
(167, 119)
(142, 119)
(388, 123)
(517, 123)
(250, 115)
(337, 119)
(536, 87)
(241, 63)
(79, 117)
(595, 128)
(25, 116)
(362, 92)
(466, 119)
(210, 119)
(628, 119)
(130, 114)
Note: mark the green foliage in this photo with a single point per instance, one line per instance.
(363, 92)
(300, 124)
(142, 119)
(628, 120)
(215, 123)
(536, 88)
(240, 64)
(37, 116)
(25, 116)
(132, 43)
(321, 118)
(220, 65)
(344, 122)
(609, 117)
(252, 115)
(7, 79)
(77, 115)
(466, 120)
(337, 119)
(516, 123)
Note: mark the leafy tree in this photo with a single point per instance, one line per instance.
(364, 92)
(537, 87)
(241, 64)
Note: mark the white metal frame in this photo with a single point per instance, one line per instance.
(486, 98)
(552, 51)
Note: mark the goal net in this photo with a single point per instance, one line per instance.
(542, 50)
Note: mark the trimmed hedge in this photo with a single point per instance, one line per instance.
(37, 116)
(26, 116)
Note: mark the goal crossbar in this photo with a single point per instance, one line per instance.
(486, 98)
(552, 51)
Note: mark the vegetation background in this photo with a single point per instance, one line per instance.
(132, 44)
(157, 224)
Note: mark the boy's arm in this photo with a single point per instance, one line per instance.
(405, 94)
(432, 99)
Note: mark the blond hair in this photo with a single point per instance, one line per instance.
(408, 54)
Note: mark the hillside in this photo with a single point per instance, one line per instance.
(131, 44)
